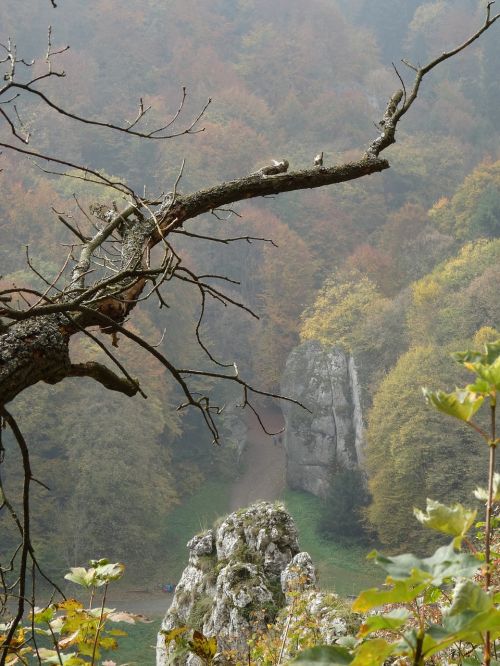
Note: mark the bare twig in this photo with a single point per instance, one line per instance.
(26, 548)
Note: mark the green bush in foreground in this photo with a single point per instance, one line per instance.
(76, 633)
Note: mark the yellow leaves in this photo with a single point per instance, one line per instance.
(372, 653)
(204, 647)
(446, 305)
(72, 626)
(425, 290)
(174, 633)
(338, 310)
(441, 203)
(458, 215)
(70, 605)
(17, 647)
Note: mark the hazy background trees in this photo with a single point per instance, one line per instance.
(379, 266)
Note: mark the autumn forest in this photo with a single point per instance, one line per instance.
(399, 268)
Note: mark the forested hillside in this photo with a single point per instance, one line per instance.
(399, 268)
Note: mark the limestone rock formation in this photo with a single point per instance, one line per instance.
(242, 575)
(330, 436)
(232, 579)
(234, 428)
(328, 616)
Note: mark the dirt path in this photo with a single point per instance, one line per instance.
(263, 477)
(263, 463)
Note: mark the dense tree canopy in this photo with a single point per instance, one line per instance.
(348, 256)
(410, 451)
(400, 345)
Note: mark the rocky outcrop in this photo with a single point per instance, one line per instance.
(329, 437)
(241, 576)
(309, 612)
(234, 428)
(232, 580)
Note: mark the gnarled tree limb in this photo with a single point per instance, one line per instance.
(35, 346)
(104, 376)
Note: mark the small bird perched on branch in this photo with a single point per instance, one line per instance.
(273, 169)
(318, 160)
(392, 107)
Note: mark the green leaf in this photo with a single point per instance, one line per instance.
(103, 572)
(432, 595)
(461, 404)
(467, 595)
(475, 659)
(402, 591)
(43, 615)
(324, 654)
(479, 386)
(455, 520)
(75, 661)
(373, 652)
(445, 563)
(81, 576)
(490, 355)
(389, 621)
(468, 626)
(432, 644)
(468, 356)
(492, 352)
(482, 493)
(42, 632)
(106, 572)
(489, 373)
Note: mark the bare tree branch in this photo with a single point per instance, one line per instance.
(123, 277)
(395, 112)
(104, 376)
(26, 547)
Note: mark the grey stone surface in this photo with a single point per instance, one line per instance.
(330, 436)
(305, 602)
(234, 428)
(300, 575)
(232, 580)
(241, 576)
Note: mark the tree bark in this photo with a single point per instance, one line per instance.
(31, 351)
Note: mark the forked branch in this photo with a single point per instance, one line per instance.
(120, 252)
